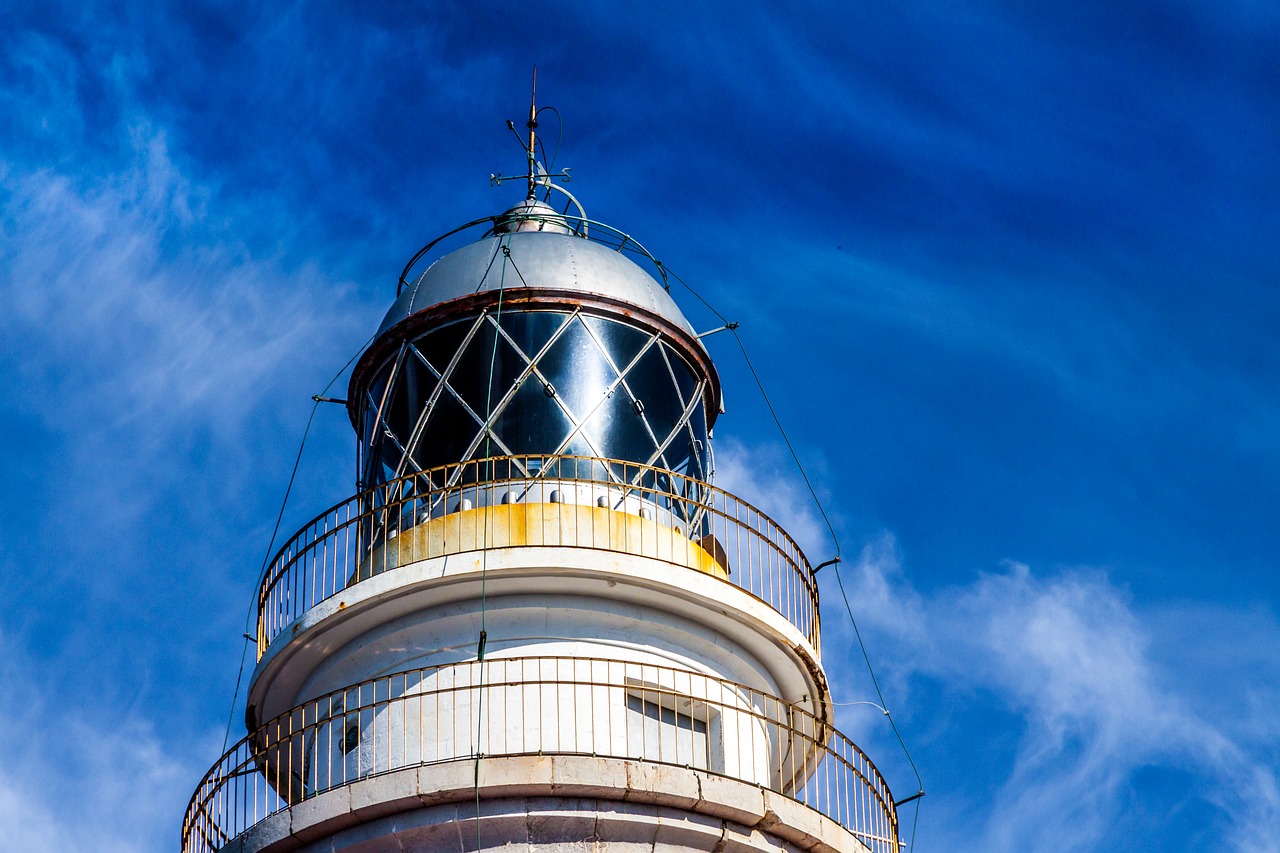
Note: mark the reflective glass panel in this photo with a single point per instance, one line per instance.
(449, 429)
(650, 381)
(488, 354)
(577, 369)
(621, 342)
(533, 421)
(531, 329)
(619, 431)
(683, 375)
(439, 345)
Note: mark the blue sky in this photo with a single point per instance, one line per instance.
(1008, 272)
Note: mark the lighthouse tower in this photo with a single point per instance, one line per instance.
(538, 624)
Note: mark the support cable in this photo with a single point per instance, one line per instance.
(733, 327)
(249, 638)
(551, 161)
(484, 546)
(795, 457)
(875, 683)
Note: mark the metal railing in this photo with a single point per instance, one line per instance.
(577, 223)
(508, 707)
(513, 501)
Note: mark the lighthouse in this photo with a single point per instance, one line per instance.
(537, 623)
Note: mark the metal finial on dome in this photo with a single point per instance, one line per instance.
(537, 175)
(533, 130)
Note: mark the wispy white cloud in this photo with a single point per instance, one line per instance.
(129, 308)
(148, 339)
(1068, 655)
(766, 477)
(154, 355)
(124, 274)
(1096, 690)
(145, 328)
(83, 777)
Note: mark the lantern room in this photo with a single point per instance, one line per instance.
(534, 341)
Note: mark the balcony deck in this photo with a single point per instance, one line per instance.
(512, 502)
(486, 711)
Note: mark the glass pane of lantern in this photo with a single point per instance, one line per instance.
(683, 375)
(450, 428)
(531, 329)
(487, 355)
(621, 341)
(532, 422)
(650, 381)
(577, 369)
(439, 345)
(619, 431)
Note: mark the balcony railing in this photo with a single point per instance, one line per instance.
(515, 501)
(510, 707)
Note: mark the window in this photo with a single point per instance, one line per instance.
(661, 731)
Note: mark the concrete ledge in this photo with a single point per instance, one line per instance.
(730, 799)
(322, 815)
(381, 796)
(552, 803)
(701, 598)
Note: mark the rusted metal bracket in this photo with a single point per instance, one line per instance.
(830, 562)
(917, 795)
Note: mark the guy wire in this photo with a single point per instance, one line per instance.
(733, 327)
(276, 530)
(875, 683)
(484, 546)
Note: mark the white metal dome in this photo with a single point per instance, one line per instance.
(549, 259)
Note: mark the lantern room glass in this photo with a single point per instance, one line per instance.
(534, 382)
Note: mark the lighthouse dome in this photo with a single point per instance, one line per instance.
(540, 251)
(534, 340)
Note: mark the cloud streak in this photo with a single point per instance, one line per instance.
(128, 308)
(156, 359)
(1069, 659)
(1080, 691)
(75, 781)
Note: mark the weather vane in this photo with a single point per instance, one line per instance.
(537, 175)
(533, 131)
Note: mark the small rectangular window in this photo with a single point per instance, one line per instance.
(660, 733)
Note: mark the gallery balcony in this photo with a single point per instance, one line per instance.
(527, 502)
(633, 737)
